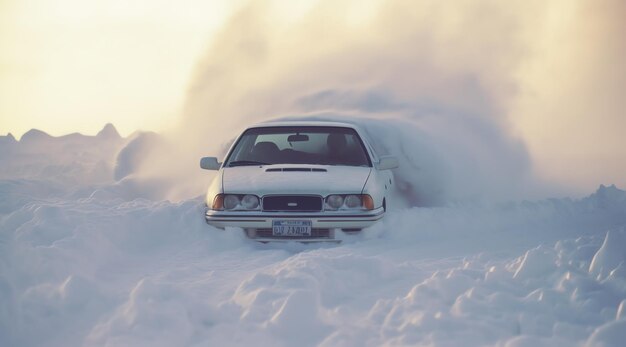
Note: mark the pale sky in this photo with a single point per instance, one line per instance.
(74, 65)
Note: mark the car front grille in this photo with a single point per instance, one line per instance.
(316, 233)
(301, 203)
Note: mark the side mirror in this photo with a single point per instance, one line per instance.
(387, 162)
(209, 163)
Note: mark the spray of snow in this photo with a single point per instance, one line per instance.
(528, 91)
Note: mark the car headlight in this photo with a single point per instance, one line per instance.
(334, 201)
(349, 202)
(231, 202)
(352, 201)
(250, 202)
(235, 202)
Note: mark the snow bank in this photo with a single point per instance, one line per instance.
(90, 260)
(112, 271)
(65, 264)
(475, 301)
(58, 166)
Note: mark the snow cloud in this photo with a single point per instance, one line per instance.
(501, 91)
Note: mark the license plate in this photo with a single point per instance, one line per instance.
(291, 227)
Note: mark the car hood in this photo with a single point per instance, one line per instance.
(294, 179)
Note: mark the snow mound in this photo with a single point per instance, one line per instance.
(607, 197)
(537, 262)
(108, 132)
(72, 162)
(611, 256)
(35, 136)
(7, 140)
(610, 334)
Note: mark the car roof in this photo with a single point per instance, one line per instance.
(307, 123)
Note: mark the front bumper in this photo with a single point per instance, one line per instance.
(321, 220)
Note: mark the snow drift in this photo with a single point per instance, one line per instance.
(100, 271)
(90, 262)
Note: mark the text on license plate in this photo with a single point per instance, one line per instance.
(291, 227)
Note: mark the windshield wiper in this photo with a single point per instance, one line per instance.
(245, 163)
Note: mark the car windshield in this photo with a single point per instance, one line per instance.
(299, 145)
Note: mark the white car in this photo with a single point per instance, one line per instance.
(299, 180)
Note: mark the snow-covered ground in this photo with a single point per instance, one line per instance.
(87, 259)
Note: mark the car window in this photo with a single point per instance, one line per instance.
(299, 145)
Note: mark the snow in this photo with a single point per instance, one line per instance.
(88, 259)
(440, 162)
(132, 155)
(610, 257)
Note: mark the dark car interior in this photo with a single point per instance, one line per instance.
(322, 146)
